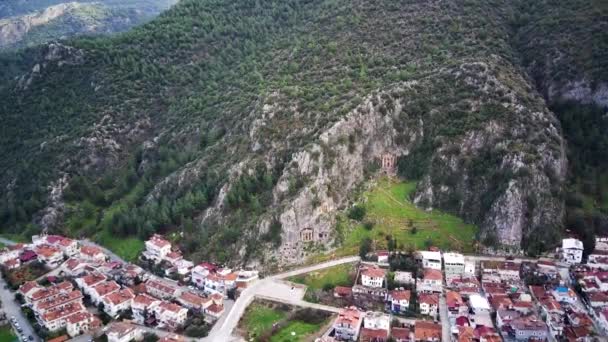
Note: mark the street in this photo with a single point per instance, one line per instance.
(445, 321)
(12, 308)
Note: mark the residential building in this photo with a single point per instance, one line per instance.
(453, 264)
(214, 312)
(383, 257)
(123, 332)
(572, 251)
(170, 315)
(48, 293)
(74, 267)
(157, 248)
(505, 316)
(12, 264)
(479, 304)
(193, 301)
(28, 288)
(183, 266)
(429, 259)
(377, 320)
(400, 300)
(199, 274)
(505, 270)
(372, 276)
(118, 301)
(82, 323)
(103, 289)
(89, 281)
(401, 334)
(530, 327)
(427, 331)
(92, 253)
(246, 277)
(431, 281)
(63, 299)
(404, 278)
(9, 254)
(564, 294)
(162, 289)
(343, 292)
(455, 303)
(57, 320)
(50, 255)
(429, 303)
(347, 325)
(142, 304)
(469, 269)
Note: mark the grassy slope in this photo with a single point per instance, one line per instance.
(336, 276)
(259, 318)
(295, 331)
(388, 205)
(127, 248)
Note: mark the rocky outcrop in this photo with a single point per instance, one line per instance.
(53, 54)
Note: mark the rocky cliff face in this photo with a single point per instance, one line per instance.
(235, 132)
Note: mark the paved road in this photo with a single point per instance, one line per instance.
(7, 241)
(13, 308)
(270, 288)
(108, 252)
(445, 321)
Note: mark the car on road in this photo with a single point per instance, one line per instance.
(31, 338)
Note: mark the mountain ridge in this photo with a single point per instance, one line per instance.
(220, 127)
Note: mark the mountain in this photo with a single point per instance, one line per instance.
(27, 23)
(248, 125)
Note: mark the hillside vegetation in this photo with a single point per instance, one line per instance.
(243, 123)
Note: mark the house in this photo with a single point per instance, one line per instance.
(479, 304)
(9, 254)
(376, 326)
(157, 248)
(427, 331)
(173, 257)
(81, 323)
(400, 334)
(466, 334)
(431, 281)
(102, 289)
(348, 324)
(123, 332)
(597, 299)
(453, 265)
(378, 293)
(162, 289)
(572, 251)
(74, 267)
(429, 304)
(455, 303)
(564, 294)
(199, 274)
(602, 319)
(403, 278)
(505, 316)
(183, 266)
(343, 292)
(29, 287)
(382, 257)
(400, 300)
(429, 259)
(193, 301)
(92, 253)
(48, 293)
(214, 312)
(27, 256)
(57, 319)
(505, 270)
(58, 302)
(469, 269)
(172, 338)
(246, 277)
(68, 246)
(51, 256)
(141, 305)
(372, 276)
(530, 327)
(118, 301)
(170, 315)
(89, 281)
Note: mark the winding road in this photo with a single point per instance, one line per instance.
(272, 288)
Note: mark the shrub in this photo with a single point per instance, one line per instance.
(356, 213)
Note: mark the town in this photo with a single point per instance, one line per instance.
(82, 291)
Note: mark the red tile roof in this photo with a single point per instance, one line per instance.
(119, 297)
(47, 251)
(90, 250)
(373, 272)
(106, 287)
(373, 334)
(401, 295)
(432, 274)
(159, 241)
(424, 330)
(453, 299)
(430, 299)
(343, 291)
(93, 278)
(400, 333)
(349, 316)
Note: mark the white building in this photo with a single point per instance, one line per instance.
(400, 300)
(572, 251)
(171, 315)
(50, 255)
(429, 304)
(402, 277)
(199, 274)
(123, 332)
(101, 290)
(431, 281)
(81, 323)
(453, 264)
(348, 324)
(163, 289)
(428, 259)
(157, 248)
(141, 304)
(376, 321)
(92, 253)
(469, 269)
(118, 301)
(479, 304)
(372, 277)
